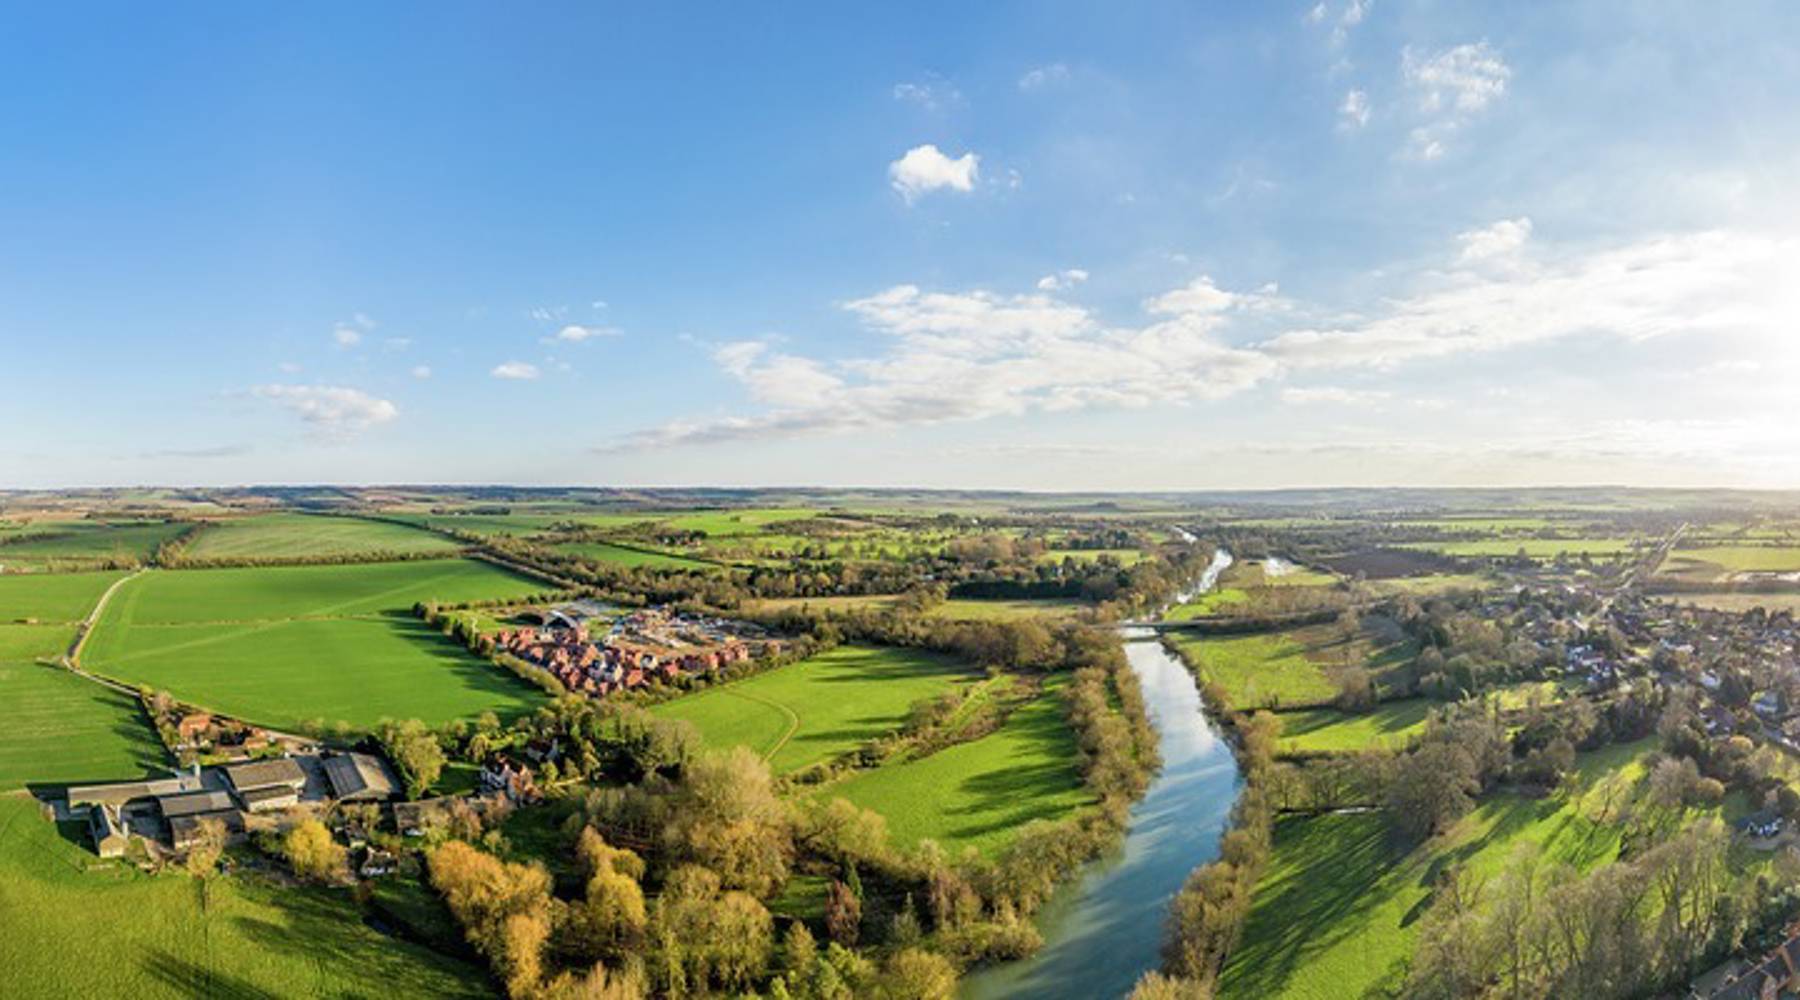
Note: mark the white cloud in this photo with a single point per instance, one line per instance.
(1689, 283)
(1451, 87)
(519, 370)
(925, 169)
(1501, 239)
(1334, 394)
(1316, 14)
(1354, 13)
(346, 337)
(932, 94)
(362, 320)
(1465, 78)
(547, 314)
(1354, 112)
(288, 368)
(1040, 77)
(1067, 278)
(421, 372)
(974, 355)
(575, 334)
(333, 411)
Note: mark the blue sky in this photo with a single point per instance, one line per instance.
(1045, 246)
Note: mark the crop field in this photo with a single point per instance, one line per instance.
(1771, 603)
(288, 536)
(286, 673)
(70, 927)
(845, 602)
(1006, 610)
(738, 522)
(1534, 548)
(518, 525)
(263, 593)
(1126, 557)
(624, 556)
(813, 710)
(1387, 726)
(287, 645)
(59, 597)
(977, 794)
(1336, 911)
(88, 542)
(1721, 561)
(1268, 669)
(1433, 583)
(1212, 602)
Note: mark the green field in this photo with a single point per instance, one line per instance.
(1266, 669)
(738, 522)
(283, 645)
(1005, 610)
(1210, 603)
(1534, 548)
(52, 597)
(292, 536)
(818, 708)
(1126, 557)
(1431, 583)
(71, 926)
(1389, 725)
(88, 542)
(1337, 907)
(977, 794)
(263, 593)
(623, 556)
(518, 525)
(1717, 561)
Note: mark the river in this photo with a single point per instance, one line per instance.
(1106, 929)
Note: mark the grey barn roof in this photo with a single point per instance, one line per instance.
(358, 776)
(195, 804)
(265, 773)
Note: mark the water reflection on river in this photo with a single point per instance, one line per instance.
(1105, 930)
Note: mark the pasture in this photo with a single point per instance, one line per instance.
(738, 522)
(816, 709)
(291, 644)
(977, 794)
(1326, 730)
(266, 593)
(1336, 910)
(299, 536)
(58, 597)
(1721, 561)
(73, 927)
(1532, 548)
(626, 556)
(1260, 670)
(286, 673)
(87, 542)
(63, 729)
(1006, 610)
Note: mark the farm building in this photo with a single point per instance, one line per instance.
(110, 837)
(267, 785)
(359, 777)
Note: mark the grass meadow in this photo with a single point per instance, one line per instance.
(977, 794)
(1721, 561)
(1337, 908)
(88, 541)
(1388, 726)
(71, 926)
(1006, 610)
(286, 645)
(626, 556)
(1534, 548)
(290, 536)
(263, 593)
(59, 597)
(813, 710)
(738, 522)
(1265, 669)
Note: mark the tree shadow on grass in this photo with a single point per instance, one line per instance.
(186, 978)
(1311, 904)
